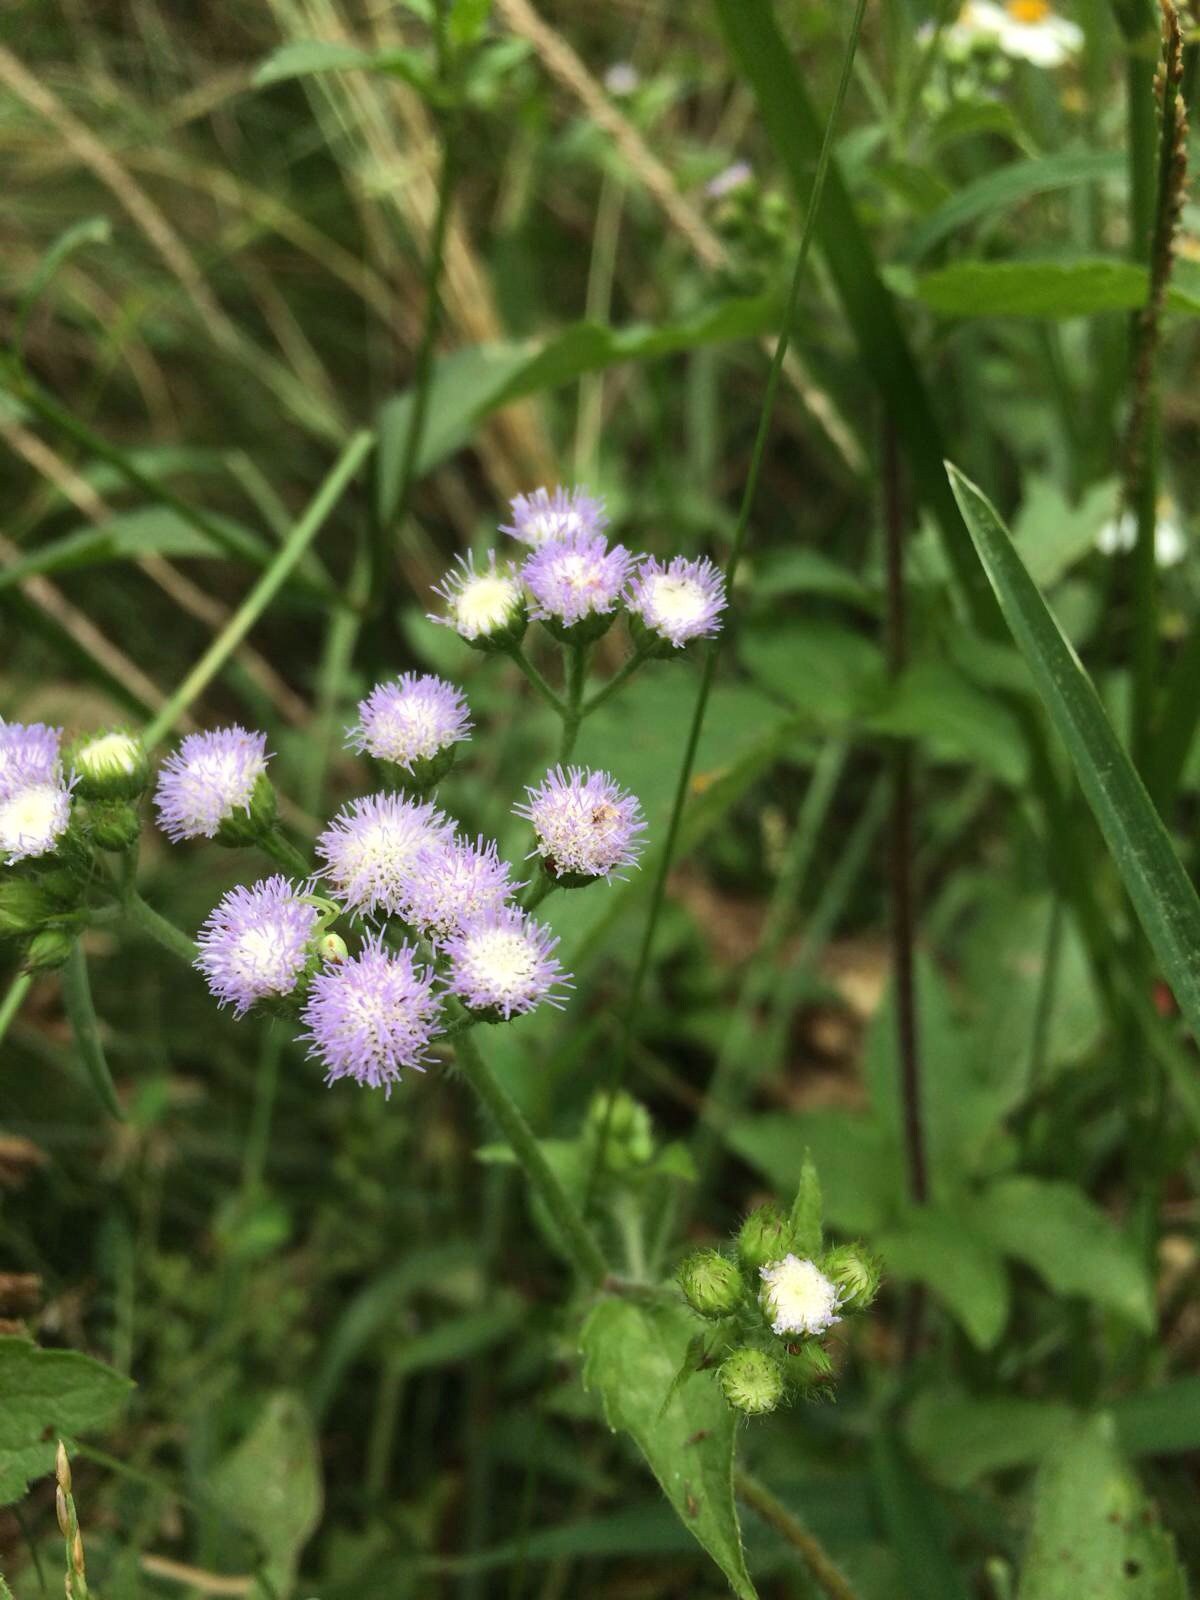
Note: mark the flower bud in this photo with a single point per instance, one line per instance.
(807, 1366)
(765, 1236)
(109, 766)
(62, 1467)
(856, 1272)
(630, 1135)
(711, 1284)
(25, 907)
(114, 825)
(60, 1511)
(49, 949)
(751, 1381)
(245, 827)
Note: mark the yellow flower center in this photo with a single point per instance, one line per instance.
(1028, 12)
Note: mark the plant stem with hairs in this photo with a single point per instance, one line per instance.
(810, 1550)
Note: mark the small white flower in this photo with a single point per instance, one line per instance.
(109, 755)
(1119, 535)
(1025, 30)
(798, 1297)
(622, 79)
(481, 604)
(32, 820)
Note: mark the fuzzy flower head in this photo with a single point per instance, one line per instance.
(541, 518)
(412, 722)
(576, 579)
(1024, 30)
(210, 781)
(371, 847)
(256, 943)
(33, 818)
(371, 1015)
(452, 882)
(678, 602)
(28, 755)
(483, 607)
(503, 962)
(585, 826)
(798, 1297)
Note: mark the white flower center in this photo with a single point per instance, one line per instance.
(112, 752)
(382, 848)
(486, 603)
(33, 817)
(260, 958)
(799, 1297)
(505, 961)
(676, 600)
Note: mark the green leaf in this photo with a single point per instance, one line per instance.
(808, 1211)
(1052, 534)
(916, 1526)
(861, 1178)
(957, 1264)
(1163, 1421)
(151, 531)
(469, 385)
(1077, 288)
(1161, 891)
(1094, 1535)
(270, 1485)
(954, 721)
(960, 1438)
(632, 1355)
(45, 1393)
(1057, 1231)
(830, 674)
(305, 57)
(1007, 186)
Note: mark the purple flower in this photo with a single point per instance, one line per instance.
(728, 179)
(256, 943)
(371, 1015)
(540, 518)
(372, 845)
(207, 780)
(33, 818)
(622, 79)
(481, 604)
(502, 961)
(576, 577)
(583, 823)
(678, 602)
(411, 720)
(454, 881)
(28, 755)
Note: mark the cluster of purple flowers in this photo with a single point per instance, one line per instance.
(35, 792)
(573, 581)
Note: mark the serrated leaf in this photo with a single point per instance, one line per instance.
(270, 1485)
(632, 1354)
(1161, 892)
(44, 1393)
(1094, 1535)
(1066, 1239)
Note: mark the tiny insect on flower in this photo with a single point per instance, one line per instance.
(209, 780)
(257, 943)
(797, 1297)
(372, 1015)
(541, 518)
(583, 823)
(503, 962)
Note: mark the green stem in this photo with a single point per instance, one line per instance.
(811, 1551)
(658, 889)
(77, 1002)
(265, 590)
(160, 930)
(577, 655)
(277, 845)
(541, 886)
(539, 683)
(258, 1138)
(585, 1253)
(14, 1000)
(620, 677)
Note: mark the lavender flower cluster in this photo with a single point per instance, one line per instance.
(573, 582)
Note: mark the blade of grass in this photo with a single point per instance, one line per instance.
(621, 1057)
(265, 590)
(1161, 892)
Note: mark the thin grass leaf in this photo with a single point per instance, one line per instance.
(1161, 892)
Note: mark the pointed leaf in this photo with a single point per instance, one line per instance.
(632, 1355)
(807, 1211)
(44, 1393)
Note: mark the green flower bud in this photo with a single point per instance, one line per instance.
(114, 825)
(711, 1284)
(856, 1272)
(764, 1237)
(807, 1366)
(109, 766)
(630, 1139)
(423, 773)
(25, 907)
(249, 826)
(751, 1381)
(48, 949)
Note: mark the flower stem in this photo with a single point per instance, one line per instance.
(577, 655)
(811, 1551)
(281, 849)
(159, 929)
(539, 683)
(13, 1000)
(585, 1253)
(620, 677)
